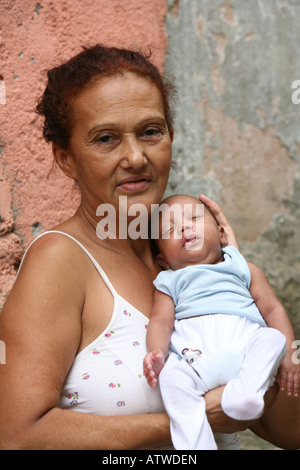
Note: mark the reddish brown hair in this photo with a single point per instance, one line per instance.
(66, 81)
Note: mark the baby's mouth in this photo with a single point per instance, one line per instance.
(189, 242)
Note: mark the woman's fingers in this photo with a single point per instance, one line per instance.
(222, 220)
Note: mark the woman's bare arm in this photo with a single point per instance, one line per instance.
(280, 424)
(276, 317)
(220, 422)
(41, 327)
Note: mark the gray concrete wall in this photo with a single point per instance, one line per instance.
(237, 131)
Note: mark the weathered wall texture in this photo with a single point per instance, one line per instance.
(237, 131)
(35, 36)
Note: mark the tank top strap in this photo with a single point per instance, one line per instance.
(95, 263)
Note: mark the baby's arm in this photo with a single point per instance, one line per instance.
(276, 317)
(159, 332)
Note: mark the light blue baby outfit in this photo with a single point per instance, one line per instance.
(219, 338)
(204, 289)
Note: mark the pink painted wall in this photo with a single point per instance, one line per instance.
(35, 36)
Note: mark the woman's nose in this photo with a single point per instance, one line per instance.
(132, 153)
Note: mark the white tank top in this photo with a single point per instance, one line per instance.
(106, 378)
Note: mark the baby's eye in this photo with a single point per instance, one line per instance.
(167, 231)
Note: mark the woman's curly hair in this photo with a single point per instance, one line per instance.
(66, 81)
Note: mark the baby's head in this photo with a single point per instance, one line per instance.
(188, 233)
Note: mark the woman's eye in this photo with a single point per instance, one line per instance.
(105, 139)
(152, 132)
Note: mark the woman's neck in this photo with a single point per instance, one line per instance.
(139, 248)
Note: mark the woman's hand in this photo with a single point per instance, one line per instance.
(219, 215)
(220, 422)
(289, 375)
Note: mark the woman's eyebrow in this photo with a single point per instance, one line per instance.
(108, 125)
(151, 119)
(113, 125)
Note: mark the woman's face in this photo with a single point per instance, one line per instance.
(120, 144)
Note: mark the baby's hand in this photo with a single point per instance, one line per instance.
(289, 376)
(154, 361)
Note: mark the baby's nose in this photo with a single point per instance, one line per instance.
(188, 231)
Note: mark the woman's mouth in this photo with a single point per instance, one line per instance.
(134, 184)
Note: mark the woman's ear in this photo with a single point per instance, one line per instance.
(64, 161)
(223, 236)
(162, 261)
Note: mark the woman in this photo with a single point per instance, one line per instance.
(75, 331)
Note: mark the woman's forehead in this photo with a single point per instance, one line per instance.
(118, 92)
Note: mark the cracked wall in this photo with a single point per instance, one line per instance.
(237, 131)
(35, 36)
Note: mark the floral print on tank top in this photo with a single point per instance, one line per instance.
(108, 375)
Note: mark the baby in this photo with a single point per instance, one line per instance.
(209, 328)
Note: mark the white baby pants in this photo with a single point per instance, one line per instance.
(214, 350)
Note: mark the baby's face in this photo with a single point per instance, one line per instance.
(189, 234)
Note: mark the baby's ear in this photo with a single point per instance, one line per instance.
(223, 236)
(162, 261)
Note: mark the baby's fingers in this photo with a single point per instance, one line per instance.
(150, 376)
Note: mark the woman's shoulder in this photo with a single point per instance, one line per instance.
(52, 255)
(50, 244)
